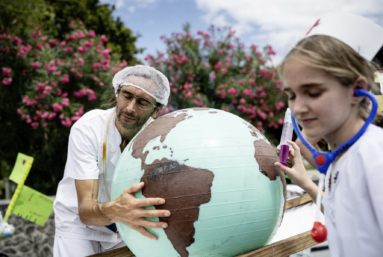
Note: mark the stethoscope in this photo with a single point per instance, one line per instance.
(324, 159)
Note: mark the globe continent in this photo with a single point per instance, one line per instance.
(216, 172)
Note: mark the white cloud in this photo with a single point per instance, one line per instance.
(119, 4)
(280, 23)
(131, 9)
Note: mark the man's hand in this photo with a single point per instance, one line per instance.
(130, 211)
(125, 209)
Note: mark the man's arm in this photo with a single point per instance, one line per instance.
(125, 209)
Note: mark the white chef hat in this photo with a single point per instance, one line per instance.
(159, 89)
(359, 33)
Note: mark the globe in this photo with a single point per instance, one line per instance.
(216, 172)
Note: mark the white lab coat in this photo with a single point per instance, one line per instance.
(353, 202)
(84, 162)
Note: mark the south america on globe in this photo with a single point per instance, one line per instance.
(217, 175)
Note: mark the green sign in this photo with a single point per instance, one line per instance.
(19, 168)
(33, 206)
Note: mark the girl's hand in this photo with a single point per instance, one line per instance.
(298, 172)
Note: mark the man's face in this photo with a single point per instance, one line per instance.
(129, 115)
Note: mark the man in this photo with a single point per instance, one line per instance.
(84, 212)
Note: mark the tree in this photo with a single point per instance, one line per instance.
(214, 69)
(47, 84)
(54, 16)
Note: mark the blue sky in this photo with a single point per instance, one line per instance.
(280, 23)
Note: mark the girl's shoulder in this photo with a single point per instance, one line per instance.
(372, 137)
(368, 150)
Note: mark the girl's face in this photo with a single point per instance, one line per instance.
(321, 105)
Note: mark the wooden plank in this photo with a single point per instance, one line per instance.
(294, 202)
(119, 252)
(278, 249)
(285, 247)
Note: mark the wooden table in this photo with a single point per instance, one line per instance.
(281, 248)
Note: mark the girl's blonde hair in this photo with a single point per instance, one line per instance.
(338, 60)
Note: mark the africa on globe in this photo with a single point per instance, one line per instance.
(217, 175)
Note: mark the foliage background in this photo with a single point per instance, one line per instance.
(19, 18)
(54, 70)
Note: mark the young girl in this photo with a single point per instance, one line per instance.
(320, 75)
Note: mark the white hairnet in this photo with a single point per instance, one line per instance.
(159, 89)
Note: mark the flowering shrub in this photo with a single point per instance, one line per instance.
(59, 80)
(46, 85)
(215, 69)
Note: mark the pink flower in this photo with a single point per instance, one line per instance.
(51, 67)
(58, 91)
(6, 71)
(75, 118)
(270, 50)
(105, 64)
(96, 65)
(280, 122)
(57, 107)
(7, 81)
(6, 49)
(88, 43)
(271, 114)
(232, 91)
(51, 116)
(58, 72)
(65, 102)
(123, 64)
(47, 91)
(17, 40)
(53, 84)
(240, 82)
(103, 39)
(34, 125)
(45, 124)
(68, 49)
(53, 42)
(25, 99)
(91, 34)
(44, 115)
(242, 101)
(81, 49)
(67, 122)
(25, 72)
(65, 94)
(64, 79)
(91, 95)
(62, 44)
(61, 116)
(71, 23)
(80, 112)
(101, 84)
(36, 65)
(80, 62)
(212, 75)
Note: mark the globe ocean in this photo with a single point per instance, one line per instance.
(216, 172)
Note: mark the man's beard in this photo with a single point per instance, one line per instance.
(139, 121)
